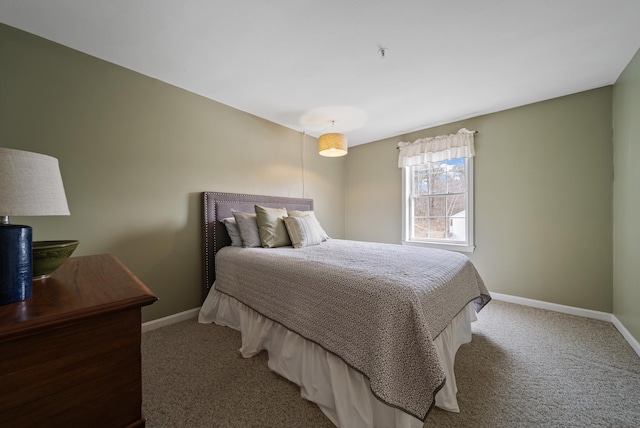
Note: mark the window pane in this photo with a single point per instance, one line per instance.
(457, 229)
(437, 228)
(437, 206)
(456, 205)
(438, 181)
(456, 180)
(420, 181)
(420, 207)
(420, 228)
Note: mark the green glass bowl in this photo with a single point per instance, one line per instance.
(49, 256)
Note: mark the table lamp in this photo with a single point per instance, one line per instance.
(30, 185)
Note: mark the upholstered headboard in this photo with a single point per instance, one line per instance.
(217, 206)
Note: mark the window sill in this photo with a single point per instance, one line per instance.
(451, 247)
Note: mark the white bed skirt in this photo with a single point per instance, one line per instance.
(342, 393)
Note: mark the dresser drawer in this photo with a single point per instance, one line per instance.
(66, 376)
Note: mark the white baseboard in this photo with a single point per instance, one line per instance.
(625, 333)
(571, 310)
(171, 319)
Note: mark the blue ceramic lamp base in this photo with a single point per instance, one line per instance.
(15, 263)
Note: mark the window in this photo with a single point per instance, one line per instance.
(438, 204)
(437, 191)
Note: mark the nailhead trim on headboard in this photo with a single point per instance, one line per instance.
(214, 233)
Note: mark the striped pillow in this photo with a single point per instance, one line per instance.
(321, 231)
(302, 231)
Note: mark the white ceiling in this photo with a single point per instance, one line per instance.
(304, 63)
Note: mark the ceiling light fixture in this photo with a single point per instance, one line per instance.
(333, 144)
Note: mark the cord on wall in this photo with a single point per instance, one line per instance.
(302, 159)
(346, 206)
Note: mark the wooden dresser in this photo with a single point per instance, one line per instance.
(70, 355)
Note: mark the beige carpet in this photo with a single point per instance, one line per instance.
(526, 367)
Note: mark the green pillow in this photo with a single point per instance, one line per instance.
(273, 232)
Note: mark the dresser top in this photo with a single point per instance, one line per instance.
(83, 286)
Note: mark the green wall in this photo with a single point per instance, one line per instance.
(543, 177)
(135, 153)
(626, 197)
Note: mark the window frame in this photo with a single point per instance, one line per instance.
(468, 246)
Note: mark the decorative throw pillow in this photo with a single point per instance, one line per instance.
(232, 230)
(248, 228)
(273, 232)
(321, 231)
(302, 231)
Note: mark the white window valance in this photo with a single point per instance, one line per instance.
(436, 149)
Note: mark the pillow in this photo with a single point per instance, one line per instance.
(321, 231)
(273, 232)
(232, 230)
(302, 231)
(248, 228)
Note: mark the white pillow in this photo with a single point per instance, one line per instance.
(232, 230)
(302, 231)
(321, 231)
(248, 228)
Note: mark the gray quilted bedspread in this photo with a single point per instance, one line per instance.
(376, 306)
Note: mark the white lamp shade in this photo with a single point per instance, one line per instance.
(30, 185)
(332, 145)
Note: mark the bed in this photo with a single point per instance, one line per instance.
(368, 331)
